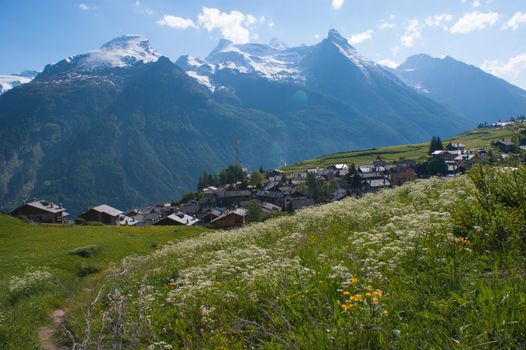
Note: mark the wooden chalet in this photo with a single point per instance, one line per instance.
(231, 219)
(42, 211)
(108, 216)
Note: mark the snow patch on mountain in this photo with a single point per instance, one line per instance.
(120, 52)
(7, 82)
(275, 61)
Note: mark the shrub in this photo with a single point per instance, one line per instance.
(34, 280)
(497, 220)
(86, 252)
(84, 269)
(80, 221)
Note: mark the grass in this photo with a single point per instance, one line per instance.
(23, 246)
(432, 264)
(475, 139)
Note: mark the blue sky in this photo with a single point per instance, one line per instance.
(487, 33)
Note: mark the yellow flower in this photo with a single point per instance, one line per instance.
(375, 300)
(354, 280)
(368, 294)
(378, 292)
(386, 313)
(346, 293)
(357, 297)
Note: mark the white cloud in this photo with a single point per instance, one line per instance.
(337, 4)
(361, 37)
(137, 3)
(476, 3)
(386, 25)
(516, 21)
(438, 20)
(316, 36)
(176, 22)
(395, 50)
(475, 21)
(389, 63)
(413, 32)
(83, 7)
(510, 70)
(233, 26)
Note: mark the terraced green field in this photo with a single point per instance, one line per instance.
(478, 138)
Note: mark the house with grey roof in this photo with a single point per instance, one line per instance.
(42, 211)
(108, 216)
(177, 219)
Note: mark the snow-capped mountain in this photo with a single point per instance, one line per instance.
(121, 52)
(7, 82)
(275, 61)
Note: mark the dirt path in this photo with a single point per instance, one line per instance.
(46, 333)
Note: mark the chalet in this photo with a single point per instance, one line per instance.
(455, 147)
(276, 175)
(505, 146)
(177, 219)
(208, 215)
(145, 216)
(191, 207)
(273, 197)
(233, 198)
(466, 161)
(231, 219)
(42, 211)
(108, 216)
(401, 175)
(299, 200)
(377, 184)
(269, 207)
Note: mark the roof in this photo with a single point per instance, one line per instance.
(239, 212)
(270, 206)
(182, 218)
(107, 210)
(341, 166)
(127, 221)
(379, 183)
(506, 143)
(46, 206)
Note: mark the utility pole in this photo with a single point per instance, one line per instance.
(238, 162)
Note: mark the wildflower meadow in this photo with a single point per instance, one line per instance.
(432, 264)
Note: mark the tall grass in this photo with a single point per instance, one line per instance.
(404, 268)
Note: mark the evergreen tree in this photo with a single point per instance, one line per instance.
(435, 144)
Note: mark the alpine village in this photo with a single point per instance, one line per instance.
(208, 185)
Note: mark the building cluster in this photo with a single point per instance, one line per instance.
(228, 206)
(458, 159)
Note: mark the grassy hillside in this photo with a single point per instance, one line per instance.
(477, 138)
(433, 264)
(39, 256)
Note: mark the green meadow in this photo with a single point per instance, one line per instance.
(474, 139)
(49, 248)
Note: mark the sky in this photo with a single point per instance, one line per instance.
(490, 34)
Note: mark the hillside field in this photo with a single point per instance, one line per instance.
(477, 138)
(432, 264)
(47, 251)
